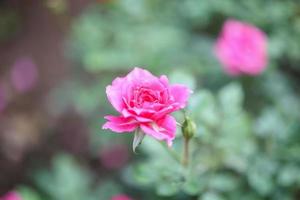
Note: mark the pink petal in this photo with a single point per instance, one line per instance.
(114, 94)
(120, 124)
(164, 111)
(164, 80)
(180, 93)
(126, 113)
(242, 48)
(120, 92)
(144, 78)
(140, 74)
(164, 129)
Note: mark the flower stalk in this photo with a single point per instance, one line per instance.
(185, 157)
(188, 131)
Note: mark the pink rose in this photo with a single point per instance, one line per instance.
(11, 196)
(121, 197)
(145, 101)
(242, 48)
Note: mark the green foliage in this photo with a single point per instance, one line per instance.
(226, 156)
(28, 193)
(68, 180)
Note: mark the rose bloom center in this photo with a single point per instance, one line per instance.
(143, 96)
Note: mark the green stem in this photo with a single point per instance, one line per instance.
(185, 157)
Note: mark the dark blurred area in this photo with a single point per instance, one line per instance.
(33, 61)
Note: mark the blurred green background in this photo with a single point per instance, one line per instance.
(57, 56)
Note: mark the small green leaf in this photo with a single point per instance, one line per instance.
(137, 140)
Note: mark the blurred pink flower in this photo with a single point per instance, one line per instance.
(24, 74)
(11, 196)
(242, 48)
(145, 101)
(121, 197)
(3, 98)
(114, 156)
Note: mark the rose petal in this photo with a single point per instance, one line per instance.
(114, 94)
(164, 129)
(164, 111)
(144, 78)
(242, 48)
(164, 80)
(120, 124)
(126, 113)
(180, 95)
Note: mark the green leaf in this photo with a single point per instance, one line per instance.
(289, 175)
(260, 175)
(106, 190)
(203, 109)
(271, 123)
(231, 98)
(66, 180)
(167, 189)
(223, 182)
(194, 184)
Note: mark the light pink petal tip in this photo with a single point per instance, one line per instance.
(181, 94)
(114, 94)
